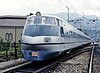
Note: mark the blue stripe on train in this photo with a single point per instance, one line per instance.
(42, 55)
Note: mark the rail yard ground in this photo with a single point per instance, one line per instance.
(78, 64)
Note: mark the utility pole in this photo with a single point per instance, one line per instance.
(95, 32)
(67, 13)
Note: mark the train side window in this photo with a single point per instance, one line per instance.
(70, 33)
(66, 34)
(62, 32)
(63, 23)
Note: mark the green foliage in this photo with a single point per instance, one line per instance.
(7, 50)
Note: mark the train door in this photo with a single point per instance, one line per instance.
(62, 31)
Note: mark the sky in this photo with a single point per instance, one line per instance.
(24, 7)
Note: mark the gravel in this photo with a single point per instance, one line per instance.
(78, 64)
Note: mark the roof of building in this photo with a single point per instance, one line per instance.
(12, 17)
(12, 20)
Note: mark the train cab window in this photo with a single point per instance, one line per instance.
(37, 20)
(41, 20)
(30, 21)
(49, 20)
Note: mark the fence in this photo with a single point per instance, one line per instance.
(9, 50)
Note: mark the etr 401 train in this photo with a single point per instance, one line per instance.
(46, 36)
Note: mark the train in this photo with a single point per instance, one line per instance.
(47, 36)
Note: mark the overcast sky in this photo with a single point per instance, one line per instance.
(24, 7)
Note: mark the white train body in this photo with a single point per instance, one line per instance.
(47, 36)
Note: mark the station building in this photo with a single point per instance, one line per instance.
(11, 27)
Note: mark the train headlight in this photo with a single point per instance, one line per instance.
(47, 39)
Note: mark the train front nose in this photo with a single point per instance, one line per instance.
(38, 55)
(37, 40)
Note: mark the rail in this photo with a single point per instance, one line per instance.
(90, 66)
(14, 67)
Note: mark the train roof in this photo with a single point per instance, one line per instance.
(74, 29)
(54, 16)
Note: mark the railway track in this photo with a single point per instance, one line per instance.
(96, 60)
(51, 68)
(13, 67)
(52, 65)
(47, 66)
(90, 66)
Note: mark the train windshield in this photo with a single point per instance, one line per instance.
(31, 30)
(41, 20)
